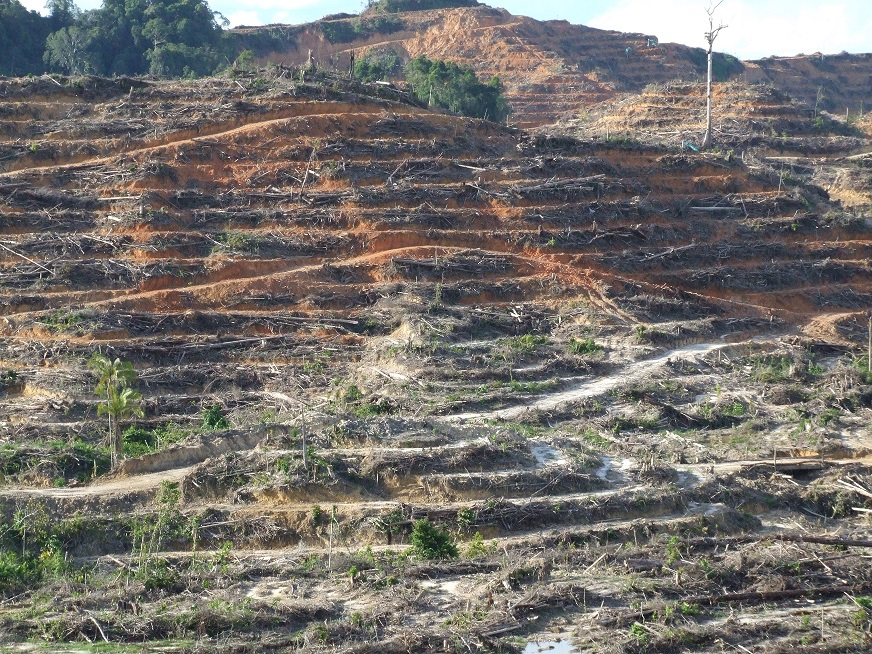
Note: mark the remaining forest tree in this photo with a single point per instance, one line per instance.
(22, 38)
(457, 88)
(169, 39)
(165, 38)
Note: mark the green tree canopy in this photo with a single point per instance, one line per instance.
(68, 49)
(378, 65)
(22, 39)
(167, 38)
(62, 13)
(119, 400)
(447, 85)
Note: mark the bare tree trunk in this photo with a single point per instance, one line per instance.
(707, 139)
(869, 347)
(117, 445)
(710, 37)
(303, 439)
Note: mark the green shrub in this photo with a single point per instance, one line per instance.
(345, 31)
(213, 419)
(527, 343)
(8, 379)
(352, 394)
(139, 440)
(584, 346)
(430, 542)
(772, 369)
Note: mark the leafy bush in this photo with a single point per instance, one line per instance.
(456, 88)
(30, 549)
(8, 379)
(584, 346)
(378, 65)
(345, 31)
(526, 343)
(16, 573)
(430, 542)
(213, 419)
(59, 461)
(139, 440)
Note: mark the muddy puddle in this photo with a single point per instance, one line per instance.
(549, 645)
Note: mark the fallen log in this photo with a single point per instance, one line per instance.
(716, 209)
(764, 596)
(787, 538)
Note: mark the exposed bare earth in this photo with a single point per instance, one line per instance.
(622, 376)
(554, 70)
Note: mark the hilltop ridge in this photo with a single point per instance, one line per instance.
(552, 69)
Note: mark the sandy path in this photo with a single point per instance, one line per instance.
(113, 486)
(593, 387)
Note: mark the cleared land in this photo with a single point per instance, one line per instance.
(623, 377)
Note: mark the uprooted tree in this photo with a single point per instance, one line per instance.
(710, 37)
(119, 400)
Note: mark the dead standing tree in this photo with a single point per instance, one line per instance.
(710, 37)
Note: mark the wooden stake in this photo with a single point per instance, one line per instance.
(330, 550)
(303, 436)
(869, 347)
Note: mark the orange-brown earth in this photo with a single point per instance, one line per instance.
(596, 355)
(554, 70)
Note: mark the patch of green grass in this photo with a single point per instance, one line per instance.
(524, 429)
(527, 343)
(593, 439)
(772, 369)
(465, 619)
(583, 346)
(532, 386)
(239, 241)
(829, 415)
(62, 320)
(137, 441)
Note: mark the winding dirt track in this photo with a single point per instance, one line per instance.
(632, 372)
(591, 388)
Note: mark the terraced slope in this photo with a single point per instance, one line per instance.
(582, 359)
(553, 70)
(550, 69)
(773, 134)
(746, 117)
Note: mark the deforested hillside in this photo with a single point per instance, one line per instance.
(413, 382)
(551, 69)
